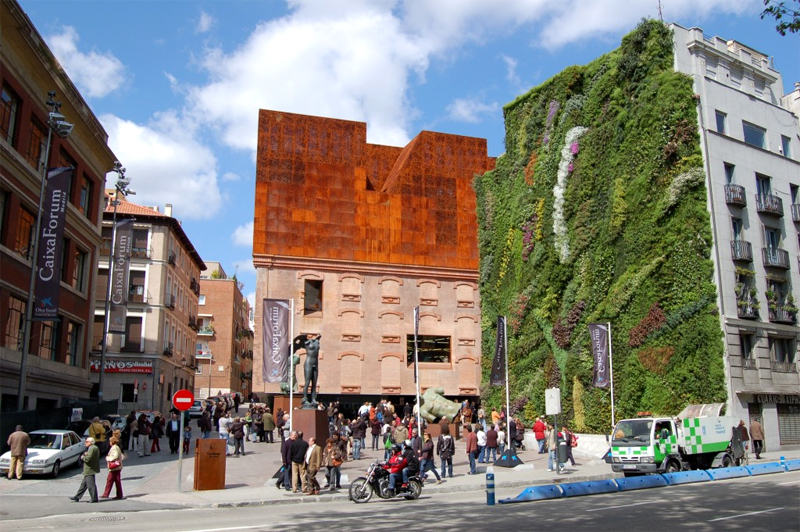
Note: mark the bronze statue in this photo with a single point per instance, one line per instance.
(311, 366)
(285, 384)
(435, 405)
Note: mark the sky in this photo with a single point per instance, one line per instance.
(177, 84)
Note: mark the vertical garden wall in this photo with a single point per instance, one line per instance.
(597, 213)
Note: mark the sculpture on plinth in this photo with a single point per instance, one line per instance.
(435, 405)
(311, 367)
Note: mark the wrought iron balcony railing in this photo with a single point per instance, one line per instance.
(769, 204)
(741, 250)
(735, 195)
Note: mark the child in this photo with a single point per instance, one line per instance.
(187, 438)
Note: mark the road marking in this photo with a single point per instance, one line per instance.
(230, 528)
(744, 515)
(788, 483)
(621, 506)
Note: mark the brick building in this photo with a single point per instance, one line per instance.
(57, 361)
(224, 338)
(357, 235)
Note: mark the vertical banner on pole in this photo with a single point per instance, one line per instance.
(499, 362)
(598, 333)
(275, 323)
(416, 334)
(120, 273)
(51, 244)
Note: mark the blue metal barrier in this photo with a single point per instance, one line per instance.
(536, 493)
(686, 477)
(765, 468)
(643, 482)
(791, 465)
(589, 487)
(723, 473)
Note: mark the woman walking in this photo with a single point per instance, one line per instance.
(114, 460)
(155, 434)
(332, 460)
(427, 462)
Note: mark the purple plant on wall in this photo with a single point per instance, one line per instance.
(548, 126)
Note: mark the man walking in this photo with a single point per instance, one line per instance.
(91, 467)
(18, 441)
(205, 424)
(269, 426)
(298, 456)
(313, 463)
(757, 435)
(174, 433)
(471, 441)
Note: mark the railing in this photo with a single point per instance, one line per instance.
(206, 331)
(171, 258)
(192, 322)
(784, 367)
(745, 309)
(775, 257)
(170, 303)
(735, 195)
(201, 355)
(796, 212)
(140, 253)
(194, 285)
(168, 349)
(741, 250)
(749, 363)
(137, 298)
(781, 315)
(769, 204)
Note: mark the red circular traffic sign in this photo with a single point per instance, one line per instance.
(183, 400)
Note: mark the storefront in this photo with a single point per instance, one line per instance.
(780, 416)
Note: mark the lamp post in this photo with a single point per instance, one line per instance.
(55, 122)
(121, 187)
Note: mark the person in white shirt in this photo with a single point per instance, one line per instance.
(481, 434)
(501, 439)
(225, 423)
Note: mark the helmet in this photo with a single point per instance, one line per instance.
(396, 448)
(407, 443)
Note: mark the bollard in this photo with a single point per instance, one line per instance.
(783, 462)
(490, 486)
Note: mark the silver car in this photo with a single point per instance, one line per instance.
(48, 453)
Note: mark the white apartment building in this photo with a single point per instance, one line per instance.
(751, 147)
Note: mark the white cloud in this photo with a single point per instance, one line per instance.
(251, 297)
(470, 110)
(166, 164)
(511, 69)
(243, 235)
(244, 267)
(205, 23)
(95, 74)
(230, 176)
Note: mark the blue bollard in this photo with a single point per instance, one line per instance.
(783, 462)
(490, 486)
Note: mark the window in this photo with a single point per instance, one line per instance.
(73, 343)
(23, 244)
(772, 237)
(133, 334)
(36, 143)
(140, 248)
(9, 105)
(729, 172)
(201, 300)
(786, 146)
(763, 185)
(312, 296)
(128, 394)
(48, 340)
(85, 201)
(3, 201)
(782, 349)
(736, 228)
(721, 122)
(136, 288)
(65, 160)
(433, 349)
(15, 323)
(79, 270)
(746, 344)
(754, 135)
(198, 369)
(65, 254)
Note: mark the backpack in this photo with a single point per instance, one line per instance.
(388, 443)
(574, 441)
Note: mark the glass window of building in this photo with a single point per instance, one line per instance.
(23, 243)
(754, 135)
(721, 122)
(9, 105)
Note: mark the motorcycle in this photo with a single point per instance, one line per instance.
(377, 481)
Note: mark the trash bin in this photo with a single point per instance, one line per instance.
(562, 452)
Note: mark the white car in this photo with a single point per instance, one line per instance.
(196, 410)
(48, 453)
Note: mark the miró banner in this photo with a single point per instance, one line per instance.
(598, 334)
(276, 340)
(51, 244)
(120, 272)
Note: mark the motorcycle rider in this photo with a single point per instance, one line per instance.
(413, 461)
(396, 464)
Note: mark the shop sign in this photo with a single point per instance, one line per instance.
(124, 366)
(778, 398)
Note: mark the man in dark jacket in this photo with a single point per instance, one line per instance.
(359, 428)
(286, 460)
(173, 433)
(297, 454)
(205, 424)
(91, 467)
(491, 444)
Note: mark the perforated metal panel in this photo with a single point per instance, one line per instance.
(789, 424)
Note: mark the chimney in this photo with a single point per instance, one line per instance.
(168, 209)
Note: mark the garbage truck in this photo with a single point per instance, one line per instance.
(698, 438)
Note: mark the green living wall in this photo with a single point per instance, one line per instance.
(597, 213)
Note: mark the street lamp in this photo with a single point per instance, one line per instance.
(57, 123)
(121, 187)
(210, 364)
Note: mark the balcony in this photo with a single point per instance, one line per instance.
(202, 355)
(735, 195)
(171, 258)
(170, 303)
(206, 330)
(140, 253)
(769, 204)
(168, 349)
(796, 212)
(783, 314)
(784, 367)
(775, 257)
(194, 285)
(747, 309)
(749, 363)
(193, 322)
(741, 250)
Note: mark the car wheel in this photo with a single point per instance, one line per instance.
(56, 468)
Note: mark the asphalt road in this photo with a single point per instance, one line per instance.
(769, 503)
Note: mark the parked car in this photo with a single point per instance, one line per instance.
(50, 451)
(80, 426)
(196, 410)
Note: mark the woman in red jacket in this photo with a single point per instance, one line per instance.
(395, 466)
(539, 429)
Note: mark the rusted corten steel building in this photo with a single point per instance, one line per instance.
(357, 235)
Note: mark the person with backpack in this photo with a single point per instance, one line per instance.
(412, 461)
(571, 440)
(446, 448)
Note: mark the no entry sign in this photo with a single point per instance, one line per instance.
(183, 400)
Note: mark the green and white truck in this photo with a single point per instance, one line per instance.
(695, 439)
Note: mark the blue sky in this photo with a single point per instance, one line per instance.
(177, 84)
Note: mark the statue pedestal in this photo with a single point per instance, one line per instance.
(282, 401)
(312, 423)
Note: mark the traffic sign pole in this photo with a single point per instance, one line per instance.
(182, 401)
(180, 457)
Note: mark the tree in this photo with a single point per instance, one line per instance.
(779, 10)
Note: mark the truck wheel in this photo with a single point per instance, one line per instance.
(673, 466)
(727, 461)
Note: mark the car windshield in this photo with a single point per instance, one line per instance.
(45, 441)
(633, 431)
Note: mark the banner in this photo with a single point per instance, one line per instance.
(120, 274)
(499, 363)
(276, 341)
(598, 334)
(51, 244)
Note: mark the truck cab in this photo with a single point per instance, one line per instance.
(644, 445)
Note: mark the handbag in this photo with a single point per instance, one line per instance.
(114, 464)
(337, 462)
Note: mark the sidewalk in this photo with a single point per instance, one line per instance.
(249, 480)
